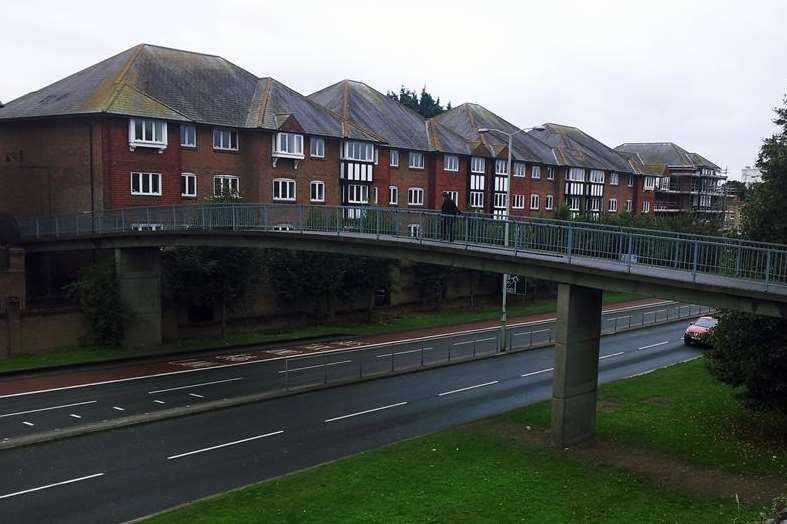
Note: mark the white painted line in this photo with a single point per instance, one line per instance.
(316, 366)
(74, 415)
(28, 423)
(463, 343)
(388, 355)
(159, 401)
(195, 395)
(118, 408)
(9, 495)
(262, 361)
(538, 372)
(467, 388)
(612, 355)
(48, 409)
(654, 345)
(195, 385)
(486, 339)
(365, 412)
(173, 457)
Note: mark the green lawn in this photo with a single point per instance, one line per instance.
(405, 322)
(482, 473)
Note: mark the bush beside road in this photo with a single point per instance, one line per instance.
(657, 459)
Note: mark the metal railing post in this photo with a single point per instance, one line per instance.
(767, 269)
(57, 227)
(338, 217)
(694, 262)
(234, 218)
(569, 242)
(630, 255)
(174, 218)
(38, 229)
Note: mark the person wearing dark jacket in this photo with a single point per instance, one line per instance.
(449, 211)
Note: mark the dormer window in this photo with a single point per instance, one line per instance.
(225, 139)
(288, 145)
(146, 132)
(354, 150)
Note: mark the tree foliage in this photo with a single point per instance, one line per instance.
(99, 298)
(751, 351)
(425, 104)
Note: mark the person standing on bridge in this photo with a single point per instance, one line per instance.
(449, 211)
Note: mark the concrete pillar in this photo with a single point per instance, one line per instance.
(14, 326)
(139, 279)
(576, 364)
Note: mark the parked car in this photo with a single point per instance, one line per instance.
(699, 331)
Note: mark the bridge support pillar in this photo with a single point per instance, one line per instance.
(139, 278)
(576, 364)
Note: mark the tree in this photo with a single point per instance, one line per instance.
(748, 350)
(432, 281)
(99, 298)
(425, 104)
(737, 188)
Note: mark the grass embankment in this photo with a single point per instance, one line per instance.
(405, 322)
(674, 447)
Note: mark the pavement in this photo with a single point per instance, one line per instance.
(114, 476)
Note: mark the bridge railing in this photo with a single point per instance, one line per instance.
(622, 247)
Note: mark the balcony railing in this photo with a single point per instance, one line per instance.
(623, 247)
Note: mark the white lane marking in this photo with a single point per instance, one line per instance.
(316, 366)
(538, 372)
(26, 423)
(203, 450)
(532, 332)
(195, 385)
(234, 364)
(74, 415)
(196, 395)
(662, 367)
(654, 345)
(612, 355)
(39, 488)
(159, 401)
(118, 408)
(467, 388)
(474, 341)
(384, 355)
(366, 411)
(48, 409)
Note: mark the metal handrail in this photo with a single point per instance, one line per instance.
(740, 259)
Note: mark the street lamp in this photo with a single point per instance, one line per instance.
(504, 313)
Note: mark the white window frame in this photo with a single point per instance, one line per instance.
(477, 165)
(186, 177)
(154, 136)
(628, 206)
(316, 191)
(454, 195)
(185, 135)
(520, 169)
(393, 195)
(393, 157)
(517, 201)
(535, 172)
(288, 145)
(499, 201)
(316, 147)
(550, 173)
(357, 194)
(141, 176)
(576, 174)
(614, 179)
(451, 163)
(612, 205)
(574, 203)
(225, 142)
(357, 150)
(649, 183)
(645, 206)
(477, 199)
(549, 202)
(415, 196)
(596, 176)
(373, 194)
(414, 230)
(415, 160)
(535, 201)
(501, 166)
(286, 189)
(630, 182)
(228, 181)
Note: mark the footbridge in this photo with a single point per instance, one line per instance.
(584, 258)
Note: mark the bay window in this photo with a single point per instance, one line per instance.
(288, 145)
(147, 132)
(354, 150)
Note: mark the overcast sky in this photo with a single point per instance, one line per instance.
(705, 75)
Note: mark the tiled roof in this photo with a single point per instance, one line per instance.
(576, 148)
(666, 153)
(160, 82)
(466, 119)
(641, 168)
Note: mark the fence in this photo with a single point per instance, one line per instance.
(622, 247)
(349, 365)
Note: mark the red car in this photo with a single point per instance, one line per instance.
(699, 331)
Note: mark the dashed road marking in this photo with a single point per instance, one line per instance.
(366, 411)
(387, 355)
(26, 423)
(196, 395)
(39, 488)
(467, 388)
(211, 448)
(654, 345)
(159, 401)
(48, 409)
(195, 385)
(538, 372)
(612, 355)
(118, 408)
(74, 415)
(315, 366)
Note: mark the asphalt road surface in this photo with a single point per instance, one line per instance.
(121, 474)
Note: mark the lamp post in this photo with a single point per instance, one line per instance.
(503, 312)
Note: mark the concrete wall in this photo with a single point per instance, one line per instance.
(43, 330)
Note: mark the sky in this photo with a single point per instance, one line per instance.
(703, 74)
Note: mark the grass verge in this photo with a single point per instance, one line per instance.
(405, 322)
(480, 473)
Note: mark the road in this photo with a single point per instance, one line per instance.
(126, 473)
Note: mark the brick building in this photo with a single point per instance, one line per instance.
(158, 126)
